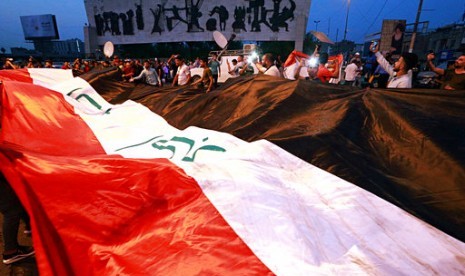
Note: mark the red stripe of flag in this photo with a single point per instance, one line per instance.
(102, 215)
(21, 75)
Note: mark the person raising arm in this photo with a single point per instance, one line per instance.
(267, 66)
(400, 74)
(454, 78)
(323, 73)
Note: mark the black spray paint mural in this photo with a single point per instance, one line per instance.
(252, 16)
(139, 16)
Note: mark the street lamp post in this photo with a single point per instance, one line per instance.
(316, 24)
(347, 19)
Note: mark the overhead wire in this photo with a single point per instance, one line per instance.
(377, 16)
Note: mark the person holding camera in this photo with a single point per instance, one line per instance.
(237, 65)
(453, 78)
(296, 66)
(267, 66)
(247, 69)
(400, 73)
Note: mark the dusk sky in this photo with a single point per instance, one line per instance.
(365, 16)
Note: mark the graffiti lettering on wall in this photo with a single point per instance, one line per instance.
(252, 16)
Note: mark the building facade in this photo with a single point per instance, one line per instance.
(70, 48)
(126, 22)
(448, 41)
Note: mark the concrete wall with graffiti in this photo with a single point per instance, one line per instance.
(148, 21)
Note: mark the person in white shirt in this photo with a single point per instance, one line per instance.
(351, 73)
(149, 74)
(267, 67)
(183, 75)
(401, 73)
(240, 63)
(237, 65)
(299, 70)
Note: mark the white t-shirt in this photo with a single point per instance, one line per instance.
(236, 68)
(273, 71)
(404, 81)
(290, 71)
(351, 72)
(183, 74)
(240, 64)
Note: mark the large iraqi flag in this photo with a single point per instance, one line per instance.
(114, 188)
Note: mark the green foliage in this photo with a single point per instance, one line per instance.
(136, 50)
(309, 44)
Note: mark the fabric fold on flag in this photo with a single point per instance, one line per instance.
(398, 144)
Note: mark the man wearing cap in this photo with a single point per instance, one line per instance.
(401, 73)
(358, 76)
(356, 57)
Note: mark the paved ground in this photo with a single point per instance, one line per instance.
(25, 267)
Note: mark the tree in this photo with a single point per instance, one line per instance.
(3, 50)
(278, 48)
(309, 44)
(137, 50)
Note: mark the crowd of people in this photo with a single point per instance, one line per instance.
(174, 71)
(380, 70)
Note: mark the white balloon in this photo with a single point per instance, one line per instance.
(220, 39)
(108, 49)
